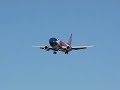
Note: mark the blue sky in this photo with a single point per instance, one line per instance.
(25, 23)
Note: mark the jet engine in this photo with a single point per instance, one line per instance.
(46, 48)
(68, 48)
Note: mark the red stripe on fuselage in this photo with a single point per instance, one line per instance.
(63, 44)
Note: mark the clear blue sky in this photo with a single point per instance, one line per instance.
(24, 23)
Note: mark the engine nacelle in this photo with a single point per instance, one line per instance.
(47, 48)
(68, 48)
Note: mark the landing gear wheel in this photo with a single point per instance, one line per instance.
(54, 52)
(66, 52)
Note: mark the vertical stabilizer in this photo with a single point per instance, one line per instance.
(70, 40)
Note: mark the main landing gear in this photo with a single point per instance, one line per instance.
(56, 52)
(66, 52)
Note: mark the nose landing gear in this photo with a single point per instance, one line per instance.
(54, 52)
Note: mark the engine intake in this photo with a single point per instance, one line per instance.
(68, 48)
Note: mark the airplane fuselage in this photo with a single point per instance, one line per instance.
(57, 45)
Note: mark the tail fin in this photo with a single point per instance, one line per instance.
(70, 40)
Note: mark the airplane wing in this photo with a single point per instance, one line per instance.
(43, 47)
(80, 47)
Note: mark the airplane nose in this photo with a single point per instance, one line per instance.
(53, 42)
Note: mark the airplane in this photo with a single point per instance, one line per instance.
(58, 45)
